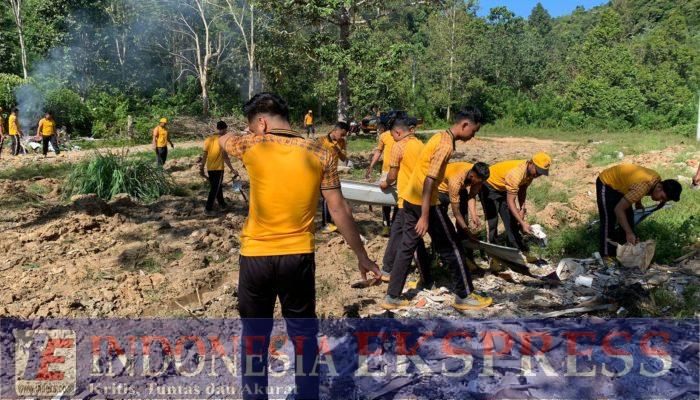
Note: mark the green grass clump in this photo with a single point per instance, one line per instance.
(173, 154)
(542, 192)
(358, 144)
(664, 303)
(109, 174)
(31, 171)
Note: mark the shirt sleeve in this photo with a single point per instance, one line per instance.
(455, 186)
(330, 178)
(380, 143)
(440, 156)
(396, 155)
(638, 191)
(514, 178)
(236, 145)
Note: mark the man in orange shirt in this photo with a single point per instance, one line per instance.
(421, 215)
(46, 131)
(161, 138)
(335, 142)
(618, 189)
(384, 145)
(459, 190)
(309, 124)
(214, 159)
(287, 175)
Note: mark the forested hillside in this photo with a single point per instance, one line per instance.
(628, 64)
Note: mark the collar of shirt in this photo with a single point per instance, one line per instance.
(449, 132)
(284, 132)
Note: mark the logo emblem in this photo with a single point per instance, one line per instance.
(45, 362)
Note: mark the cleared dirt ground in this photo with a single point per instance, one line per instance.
(88, 258)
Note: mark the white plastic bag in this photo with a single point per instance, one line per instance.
(636, 256)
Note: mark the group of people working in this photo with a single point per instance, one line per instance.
(46, 133)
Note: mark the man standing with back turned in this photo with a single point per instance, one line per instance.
(287, 174)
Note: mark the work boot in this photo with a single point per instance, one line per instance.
(530, 258)
(329, 228)
(496, 265)
(471, 302)
(386, 231)
(394, 303)
(610, 262)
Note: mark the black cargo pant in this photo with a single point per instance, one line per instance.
(216, 190)
(45, 140)
(15, 145)
(608, 198)
(261, 280)
(420, 255)
(389, 215)
(444, 238)
(494, 204)
(161, 155)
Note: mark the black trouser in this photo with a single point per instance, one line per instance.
(421, 254)
(387, 216)
(325, 214)
(608, 198)
(309, 130)
(15, 145)
(161, 155)
(261, 280)
(444, 200)
(45, 140)
(495, 203)
(216, 190)
(444, 238)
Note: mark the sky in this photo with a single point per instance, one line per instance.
(523, 7)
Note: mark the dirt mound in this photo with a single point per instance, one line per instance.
(556, 215)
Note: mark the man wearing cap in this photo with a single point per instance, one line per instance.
(617, 189)
(505, 192)
(309, 124)
(160, 141)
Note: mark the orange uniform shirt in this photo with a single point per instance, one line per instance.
(287, 174)
(432, 163)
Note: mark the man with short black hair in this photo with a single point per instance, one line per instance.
(459, 189)
(14, 130)
(214, 159)
(46, 131)
(287, 174)
(334, 141)
(422, 215)
(620, 187)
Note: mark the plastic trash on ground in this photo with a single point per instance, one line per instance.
(569, 268)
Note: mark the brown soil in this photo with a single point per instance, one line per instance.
(87, 258)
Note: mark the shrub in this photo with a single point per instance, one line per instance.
(109, 174)
(69, 110)
(8, 84)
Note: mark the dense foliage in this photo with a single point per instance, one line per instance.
(107, 175)
(630, 63)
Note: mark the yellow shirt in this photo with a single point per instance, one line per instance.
(404, 156)
(634, 181)
(12, 125)
(287, 174)
(162, 136)
(215, 157)
(432, 163)
(48, 127)
(455, 174)
(338, 147)
(385, 144)
(509, 176)
(308, 119)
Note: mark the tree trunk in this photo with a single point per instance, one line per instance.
(17, 12)
(450, 83)
(343, 90)
(251, 54)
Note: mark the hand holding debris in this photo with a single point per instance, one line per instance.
(527, 228)
(631, 238)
